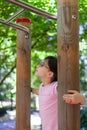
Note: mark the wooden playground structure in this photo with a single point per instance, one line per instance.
(68, 62)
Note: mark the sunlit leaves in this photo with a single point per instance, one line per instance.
(43, 34)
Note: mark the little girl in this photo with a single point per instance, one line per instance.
(47, 72)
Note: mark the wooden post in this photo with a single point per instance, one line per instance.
(23, 77)
(68, 63)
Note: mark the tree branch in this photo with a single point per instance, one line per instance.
(7, 74)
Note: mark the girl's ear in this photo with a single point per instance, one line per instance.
(51, 74)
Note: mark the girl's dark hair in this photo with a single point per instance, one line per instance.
(52, 63)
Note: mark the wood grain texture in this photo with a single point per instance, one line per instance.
(23, 81)
(68, 63)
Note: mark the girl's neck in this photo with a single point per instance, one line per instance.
(45, 83)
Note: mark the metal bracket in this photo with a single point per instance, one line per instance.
(20, 27)
(17, 26)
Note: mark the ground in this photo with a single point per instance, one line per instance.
(7, 122)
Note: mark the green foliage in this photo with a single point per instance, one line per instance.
(83, 117)
(83, 19)
(44, 41)
(43, 36)
(83, 66)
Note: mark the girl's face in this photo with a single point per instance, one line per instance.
(42, 70)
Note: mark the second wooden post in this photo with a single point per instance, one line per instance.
(23, 77)
(68, 63)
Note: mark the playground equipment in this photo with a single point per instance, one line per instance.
(68, 62)
(23, 77)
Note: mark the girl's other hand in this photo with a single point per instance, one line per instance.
(74, 97)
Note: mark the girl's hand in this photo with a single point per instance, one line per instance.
(74, 97)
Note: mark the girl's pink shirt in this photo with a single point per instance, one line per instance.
(48, 106)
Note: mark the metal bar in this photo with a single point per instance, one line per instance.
(33, 9)
(14, 16)
(20, 27)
